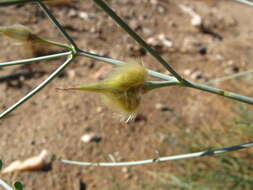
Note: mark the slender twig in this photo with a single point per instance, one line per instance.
(250, 3)
(223, 93)
(226, 94)
(57, 44)
(36, 59)
(5, 185)
(243, 73)
(162, 159)
(118, 62)
(136, 37)
(151, 85)
(38, 88)
(57, 24)
(99, 58)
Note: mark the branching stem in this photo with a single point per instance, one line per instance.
(38, 88)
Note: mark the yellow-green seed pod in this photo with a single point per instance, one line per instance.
(122, 90)
(19, 33)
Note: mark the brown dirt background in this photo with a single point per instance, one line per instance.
(56, 120)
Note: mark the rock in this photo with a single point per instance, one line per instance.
(160, 42)
(232, 70)
(79, 185)
(147, 31)
(162, 107)
(72, 13)
(99, 109)
(153, 41)
(187, 72)
(134, 24)
(124, 170)
(39, 162)
(161, 9)
(71, 74)
(83, 15)
(196, 19)
(193, 45)
(154, 2)
(197, 75)
(91, 137)
(166, 42)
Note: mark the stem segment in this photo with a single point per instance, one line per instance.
(5, 185)
(162, 159)
(245, 2)
(57, 24)
(36, 59)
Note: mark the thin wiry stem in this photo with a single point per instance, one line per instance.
(57, 44)
(245, 2)
(99, 58)
(118, 62)
(151, 85)
(5, 185)
(162, 159)
(38, 88)
(223, 93)
(57, 24)
(36, 59)
(226, 94)
(240, 74)
(136, 37)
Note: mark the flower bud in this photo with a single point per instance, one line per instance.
(20, 33)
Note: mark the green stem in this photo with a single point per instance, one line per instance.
(227, 94)
(245, 2)
(224, 93)
(151, 85)
(38, 88)
(99, 58)
(136, 37)
(117, 62)
(56, 44)
(36, 59)
(162, 159)
(230, 77)
(57, 24)
(5, 185)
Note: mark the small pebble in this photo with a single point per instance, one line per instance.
(91, 137)
(162, 107)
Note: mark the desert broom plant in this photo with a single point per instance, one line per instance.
(72, 51)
